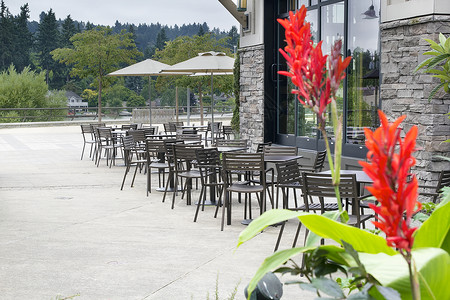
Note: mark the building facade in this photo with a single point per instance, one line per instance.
(385, 39)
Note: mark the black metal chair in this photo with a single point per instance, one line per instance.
(107, 142)
(155, 160)
(184, 160)
(318, 163)
(260, 147)
(232, 143)
(321, 186)
(227, 131)
(210, 167)
(279, 150)
(289, 177)
(217, 131)
(168, 148)
(131, 158)
(251, 164)
(433, 191)
(88, 138)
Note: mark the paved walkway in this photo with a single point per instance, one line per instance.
(66, 229)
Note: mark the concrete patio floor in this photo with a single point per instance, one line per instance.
(66, 229)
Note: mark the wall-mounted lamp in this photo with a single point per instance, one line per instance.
(242, 5)
(370, 13)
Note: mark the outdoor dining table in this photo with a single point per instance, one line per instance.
(361, 178)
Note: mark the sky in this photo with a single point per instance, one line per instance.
(106, 12)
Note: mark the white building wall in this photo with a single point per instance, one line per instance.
(255, 33)
(405, 9)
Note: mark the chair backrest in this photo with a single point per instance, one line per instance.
(217, 126)
(168, 147)
(189, 131)
(149, 130)
(138, 135)
(154, 149)
(280, 150)
(86, 128)
(320, 160)
(185, 154)
(321, 185)
(288, 173)
(190, 137)
(129, 126)
(444, 180)
(104, 133)
(231, 143)
(174, 125)
(245, 162)
(260, 148)
(168, 128)
(208, 157)
(128, 143)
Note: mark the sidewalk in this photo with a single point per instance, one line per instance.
(66, 229)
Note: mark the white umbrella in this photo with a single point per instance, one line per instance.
(148, 67)
(207, 63)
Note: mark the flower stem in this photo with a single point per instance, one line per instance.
(334, 175)
(413, 278)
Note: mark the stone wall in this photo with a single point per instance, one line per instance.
(406, 92)
(252, 94)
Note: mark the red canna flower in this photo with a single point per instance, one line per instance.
(390, 159)
(307, 65)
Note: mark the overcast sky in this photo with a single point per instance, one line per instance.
(106, 12)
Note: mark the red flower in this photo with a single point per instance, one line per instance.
(390, 159)
(307, 65)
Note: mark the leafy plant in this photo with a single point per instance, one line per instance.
(438, 64)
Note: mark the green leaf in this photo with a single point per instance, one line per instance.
(442, 39)
(438, 59)
(388, 293)
(272, 262)
(392, 271)
(328, 286)
(362, 241)
(268, 218)
(434, 91)
(434, 232)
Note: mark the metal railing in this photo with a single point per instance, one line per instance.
(48, 114)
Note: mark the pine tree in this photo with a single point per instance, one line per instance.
(47, 41)
(23, 41)
(161, 39)
(6, 37)
(68, 30)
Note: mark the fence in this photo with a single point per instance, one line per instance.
(13, 115)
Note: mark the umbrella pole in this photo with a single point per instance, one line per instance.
(212, 110)
(188, 104)
(201, 102)
(176, 103)
(150, 99)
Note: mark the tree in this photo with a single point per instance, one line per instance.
(6, 37)
(161, 39)
(183, 48)
(98, 52)
(68, 30)
(47, 41)
(22, 39)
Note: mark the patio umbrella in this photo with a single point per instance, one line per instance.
(148, 67)
(207, 63)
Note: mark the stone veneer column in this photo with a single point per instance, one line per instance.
(252, 94)
(405, 92)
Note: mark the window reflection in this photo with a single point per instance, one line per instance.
(363, 72)
(332, 29)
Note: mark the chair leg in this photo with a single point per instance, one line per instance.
(296, 234)
(200, 200)
(169, 178)
(127, 168)
(135, 171)
(279, 237)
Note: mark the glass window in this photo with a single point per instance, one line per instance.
(363, 71)
(332, 29)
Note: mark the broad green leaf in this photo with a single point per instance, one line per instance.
(268, 218)
(443, 77)
(435, 53)
(438, 59)
(434, 91)
(328, 286)
(361, 240)
(433, 264)
(435, 230)
(272, 262)
(442, 39)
